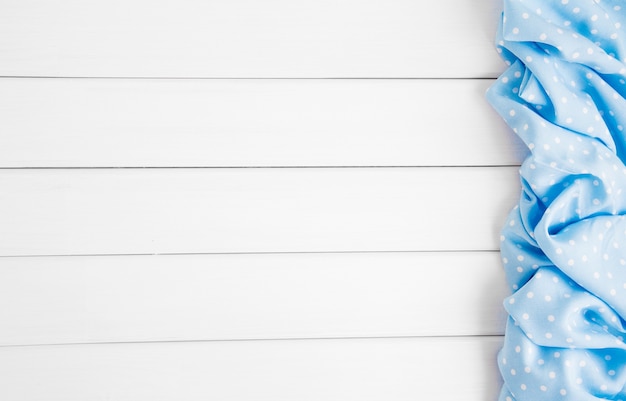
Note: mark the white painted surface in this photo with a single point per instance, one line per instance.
(247, 38)
(446, 296)
(231, 123)
(437, 369)
(60, 300)
(156, 211)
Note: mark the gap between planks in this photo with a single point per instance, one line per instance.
(255, 340)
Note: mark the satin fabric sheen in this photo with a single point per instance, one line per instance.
(563, 247)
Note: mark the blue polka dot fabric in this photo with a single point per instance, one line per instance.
(563, 247)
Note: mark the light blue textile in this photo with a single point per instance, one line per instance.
(564, 246)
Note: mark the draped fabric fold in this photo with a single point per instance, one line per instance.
(563, 247)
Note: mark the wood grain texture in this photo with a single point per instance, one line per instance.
(228, 123)
(364, 369)
(245, 38)
(156, 211)
(61, 300)
(223, 271)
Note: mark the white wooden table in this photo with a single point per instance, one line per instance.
(251, 200)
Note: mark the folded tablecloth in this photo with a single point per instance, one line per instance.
(563, 247)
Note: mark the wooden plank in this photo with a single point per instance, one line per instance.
(212, 123)
(61, 300)
(156, 211)
(244, 38)
(363, 369)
